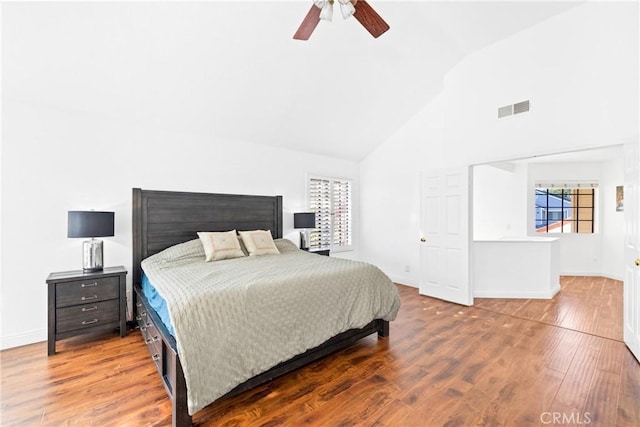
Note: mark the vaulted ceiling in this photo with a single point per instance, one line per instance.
(231, 70)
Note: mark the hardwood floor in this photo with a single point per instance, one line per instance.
(587, 304)
(500, 363)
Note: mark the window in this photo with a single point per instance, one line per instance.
(330, 199)
(565, 208)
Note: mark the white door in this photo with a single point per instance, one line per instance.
(445, 231)
(631, 299)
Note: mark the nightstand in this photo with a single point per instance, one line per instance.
(83, 303)
(324, 252)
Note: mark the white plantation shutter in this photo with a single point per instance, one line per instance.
(341, 214)
(320, 203)
(330, 199)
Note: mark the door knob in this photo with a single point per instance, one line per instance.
(424, 239)
(638, 262)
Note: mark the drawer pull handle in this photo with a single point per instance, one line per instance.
(139, 304)
(88, 322)
(143, 328)
(95, 307)
(89, 298)
(154, 339)
(138, 317)
(155, 357)
(89, 285)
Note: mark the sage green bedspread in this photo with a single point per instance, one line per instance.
(234, 319)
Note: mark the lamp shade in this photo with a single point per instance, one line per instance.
(304, 220)
(90, 224)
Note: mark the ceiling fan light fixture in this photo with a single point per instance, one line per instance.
(347, 8)
(326, 9)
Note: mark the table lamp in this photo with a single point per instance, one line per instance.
(91, 224)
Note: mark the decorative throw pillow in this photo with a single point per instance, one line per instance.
(220, 245)
(258, 242)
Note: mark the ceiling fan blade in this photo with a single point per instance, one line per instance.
(309, 24)
(370, 19)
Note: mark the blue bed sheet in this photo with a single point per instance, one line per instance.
(157, 302)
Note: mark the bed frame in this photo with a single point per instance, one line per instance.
(164, 218)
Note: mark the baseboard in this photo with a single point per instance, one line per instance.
(597, 274)
(25, 338)
(519, 294)
(403, 280)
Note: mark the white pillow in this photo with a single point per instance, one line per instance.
(259, 242)
(220, 245)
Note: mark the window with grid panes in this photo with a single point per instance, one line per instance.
(330, 199)
(565, 208)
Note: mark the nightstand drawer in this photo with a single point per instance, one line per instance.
(87, 316)
(87, 291)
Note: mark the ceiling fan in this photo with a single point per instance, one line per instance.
(323, 9)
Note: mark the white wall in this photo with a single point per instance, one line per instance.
(390, 235)
(580, 72)
(54, 161)
(499, 201)
(611, 220)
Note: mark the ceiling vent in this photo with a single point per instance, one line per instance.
(509, 110)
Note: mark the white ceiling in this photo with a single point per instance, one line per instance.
(231, 70)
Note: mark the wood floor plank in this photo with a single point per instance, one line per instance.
(628, 408)
(611, 357)
(602, 399)
(396, 413)
(365, 400)
(443, 365)
(575, 387)
(544, 388)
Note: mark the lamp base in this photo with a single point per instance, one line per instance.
(92, 256)
(304, 239)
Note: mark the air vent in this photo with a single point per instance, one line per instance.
(509, 110)
(521, 107)
(505, 111)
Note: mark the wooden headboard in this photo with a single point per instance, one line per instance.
(165, 218)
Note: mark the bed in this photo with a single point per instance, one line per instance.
(166, 220)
